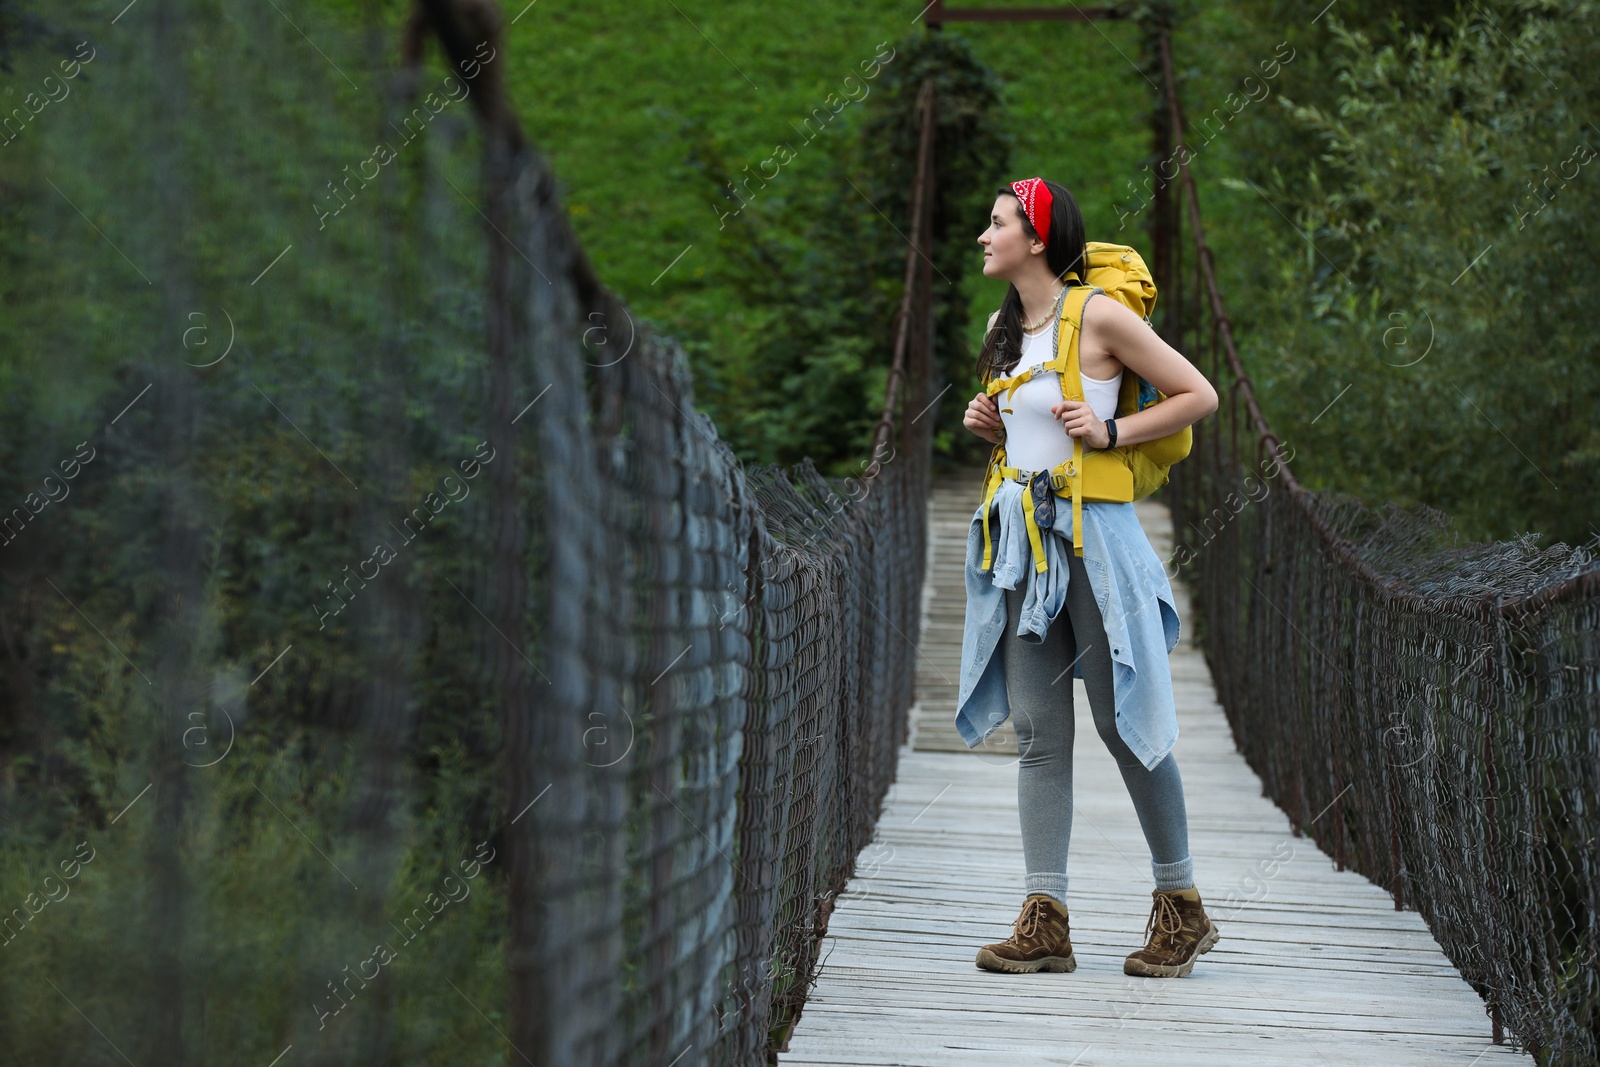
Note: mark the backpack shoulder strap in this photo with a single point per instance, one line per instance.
(1071, 327)
(1066, 361)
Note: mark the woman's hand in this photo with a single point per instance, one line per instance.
(983, 418)
(1079, 420)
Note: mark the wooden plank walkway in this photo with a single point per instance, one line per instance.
(1314, 967)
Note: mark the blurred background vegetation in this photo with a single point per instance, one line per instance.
(1410, 257)
(1403, 227)
(1392, 149)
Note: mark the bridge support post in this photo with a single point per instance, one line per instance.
(1165, 224)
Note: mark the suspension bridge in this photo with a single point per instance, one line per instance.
(1385, 790)
(683, 721)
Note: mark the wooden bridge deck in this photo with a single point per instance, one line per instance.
(1314, 967)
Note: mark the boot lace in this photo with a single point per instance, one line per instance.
(1027, 924)
(1167, 921)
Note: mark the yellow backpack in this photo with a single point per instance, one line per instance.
(1115, 475)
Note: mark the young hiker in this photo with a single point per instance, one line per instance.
(1100, 610)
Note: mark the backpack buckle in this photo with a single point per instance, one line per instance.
(1058, 481)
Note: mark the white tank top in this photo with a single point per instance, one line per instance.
(1035, 439)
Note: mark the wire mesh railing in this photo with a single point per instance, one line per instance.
(1428, 711)
(568, 768)
(750, 633)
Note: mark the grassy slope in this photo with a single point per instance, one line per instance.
(1079, 113)
(1067, 90)
(603, 89)
(637, 203)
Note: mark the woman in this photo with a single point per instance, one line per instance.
(1052, 626)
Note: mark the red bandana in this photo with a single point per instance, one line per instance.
(1035, 197)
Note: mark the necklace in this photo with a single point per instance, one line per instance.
(1030, 327)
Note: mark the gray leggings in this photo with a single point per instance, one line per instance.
(1039, 690)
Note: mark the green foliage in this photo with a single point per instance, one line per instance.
(1416, 290)
(819, 266)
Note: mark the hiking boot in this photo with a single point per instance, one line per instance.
(1182, 932)
(1039, 940)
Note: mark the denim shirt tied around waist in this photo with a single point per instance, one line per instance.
(1130, 585)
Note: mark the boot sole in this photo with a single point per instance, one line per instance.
(1135, 966)
(1059, 964)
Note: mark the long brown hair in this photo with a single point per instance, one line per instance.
(1066, 253)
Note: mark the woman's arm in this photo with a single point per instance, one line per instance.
(1141, 350)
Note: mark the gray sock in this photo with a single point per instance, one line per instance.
(1178, 875)
(1051, 885)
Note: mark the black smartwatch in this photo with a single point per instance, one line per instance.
(1111, 428)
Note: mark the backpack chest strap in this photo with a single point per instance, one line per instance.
(1009, 385)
